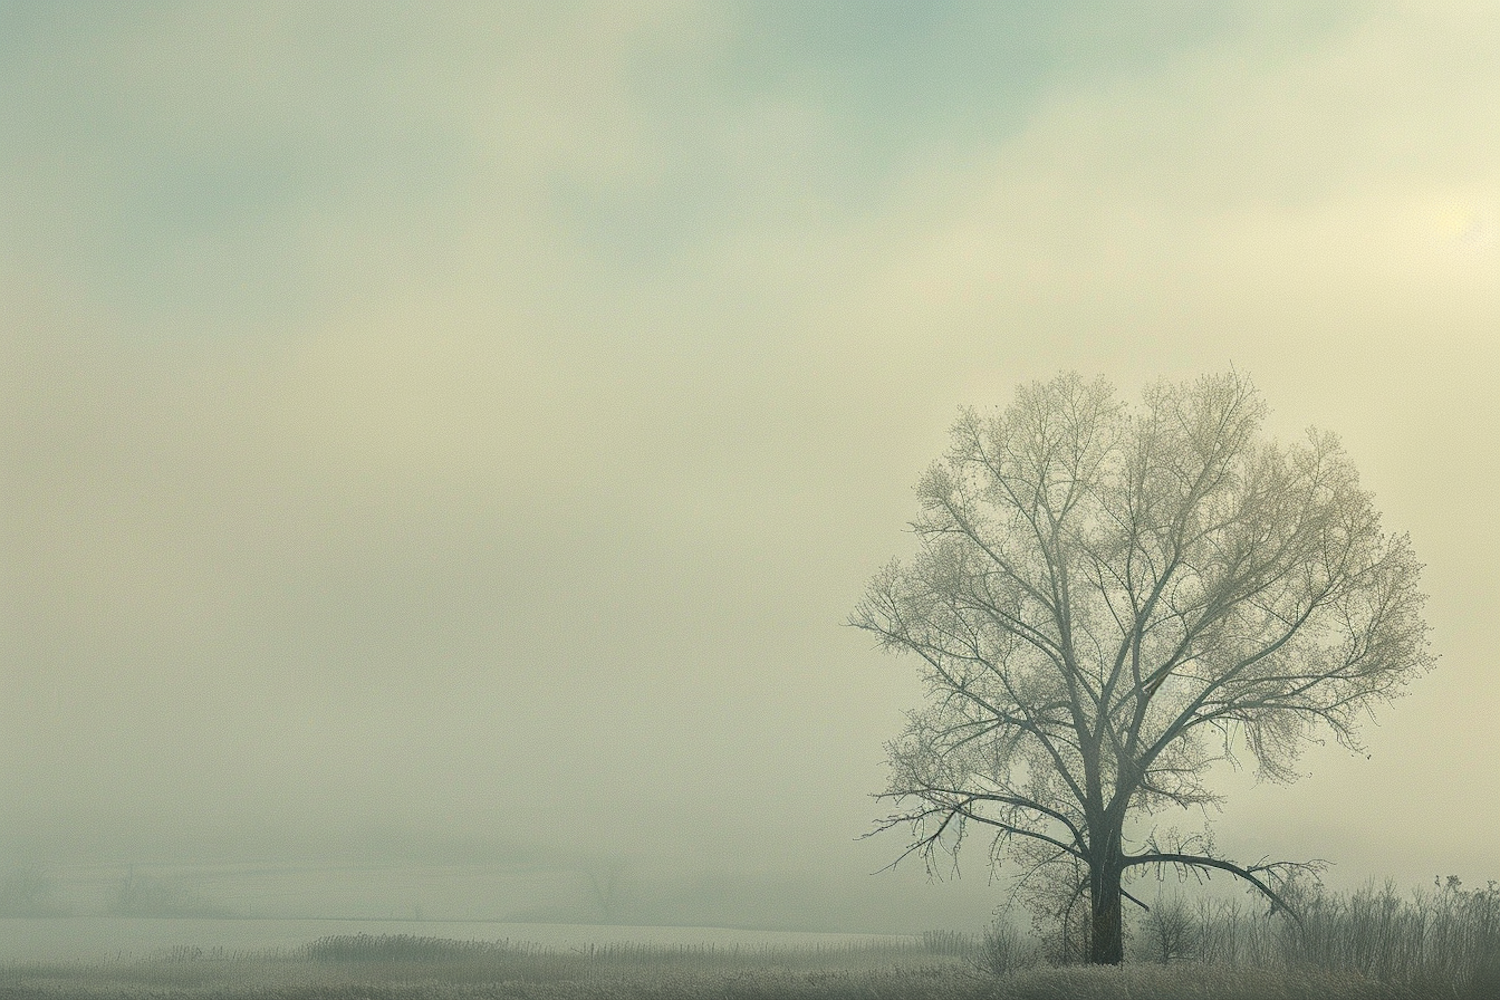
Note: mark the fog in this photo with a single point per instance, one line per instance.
(441, 444)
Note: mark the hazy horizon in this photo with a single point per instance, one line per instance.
(459, 432)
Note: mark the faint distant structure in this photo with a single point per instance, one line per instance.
(29, 891)
(138, 894)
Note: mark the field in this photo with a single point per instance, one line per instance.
(387, 968)
(1371, 944)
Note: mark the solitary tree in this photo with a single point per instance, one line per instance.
(1106, 601)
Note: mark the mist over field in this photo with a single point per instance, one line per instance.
(440, 444)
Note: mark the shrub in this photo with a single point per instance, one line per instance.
(1003, 949)
(1171, 931)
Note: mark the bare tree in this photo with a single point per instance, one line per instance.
(1171, 930)
(1107, 600)
(608, 885)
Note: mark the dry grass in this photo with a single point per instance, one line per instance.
(391, 967)
(396, 981)
(1440, 942)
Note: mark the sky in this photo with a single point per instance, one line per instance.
(466, 427)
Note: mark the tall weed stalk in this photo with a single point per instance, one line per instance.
(1441, 940)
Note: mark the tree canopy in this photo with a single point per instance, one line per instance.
(1107, 600)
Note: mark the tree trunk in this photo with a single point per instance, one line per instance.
(1106, 934)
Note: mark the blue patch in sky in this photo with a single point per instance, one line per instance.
(193, 213)
(890, 82)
